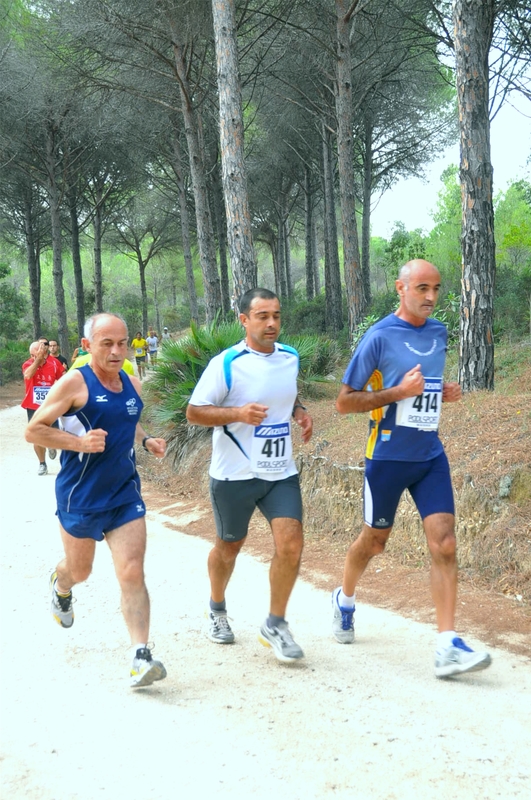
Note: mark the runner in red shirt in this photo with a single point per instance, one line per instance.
(40, 372)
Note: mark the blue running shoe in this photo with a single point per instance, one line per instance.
(459, 658)
(343, 620)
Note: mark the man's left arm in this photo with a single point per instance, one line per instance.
(154, 445)
(303, 419)
(451, 392)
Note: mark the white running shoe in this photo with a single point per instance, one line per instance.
(219, 629)
(43, 469)
(459, 658)
(145, 670)
(52, 453)
(342, 620)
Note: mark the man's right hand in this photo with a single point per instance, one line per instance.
(412, 384)
(253, 413)
(94, 441)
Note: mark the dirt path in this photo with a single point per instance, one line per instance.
(363, 721)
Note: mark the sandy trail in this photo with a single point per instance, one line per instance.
(366, 721)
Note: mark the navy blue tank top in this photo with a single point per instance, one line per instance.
(92, 482)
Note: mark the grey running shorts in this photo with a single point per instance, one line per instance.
(234, 503)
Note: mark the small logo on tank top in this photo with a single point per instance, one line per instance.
(132, 407)
(101, 398)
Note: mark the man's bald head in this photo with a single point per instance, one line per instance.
(96, 320)
(34, 348)
(418, 286)
(414, 266)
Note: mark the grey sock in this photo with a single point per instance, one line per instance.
(218, 606)
(274, 622)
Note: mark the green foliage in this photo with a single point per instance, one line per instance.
(304, 316)
(383, 303)
(448, 312)
(512, 303)
(12, 306)
(182, 362)
(12, 356)
(362, 328)
(443, 244)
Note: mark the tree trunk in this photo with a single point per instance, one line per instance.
(205, 233)
(240, 239)
(281, 255)
(316, 276)
(54, 200)
(185, 230)
(287, 260)
(308, 230)
(366, 219)
(473, 27)
(76, 261)
(334, 311)
(33, 264)
(221, 228)
(143, 288)
(98, 280)
(347, 194)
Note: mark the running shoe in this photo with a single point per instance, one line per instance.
(342, 621)
(52, 454)
(43, 469)
(145, 670)
(219, 629)
(62, 610)
(459, 658)
(280, 639)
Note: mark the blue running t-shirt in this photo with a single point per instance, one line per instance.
(91, 482)
(388, 350)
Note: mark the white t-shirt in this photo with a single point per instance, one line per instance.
(238, 376)
(152, 343)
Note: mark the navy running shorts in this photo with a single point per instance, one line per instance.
(429, 484)
(234, 502)
(96, 525)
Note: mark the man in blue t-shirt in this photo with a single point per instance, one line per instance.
(396, 374)
(98, 487)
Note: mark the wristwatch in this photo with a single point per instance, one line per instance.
(296, 406)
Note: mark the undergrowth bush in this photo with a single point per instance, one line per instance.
(12, 356)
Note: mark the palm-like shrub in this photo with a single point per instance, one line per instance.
(181, 364)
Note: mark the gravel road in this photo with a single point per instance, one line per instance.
(365, 721)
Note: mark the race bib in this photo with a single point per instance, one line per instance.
(139, 351)
(424, 410)
(39, 394)
(271, 449)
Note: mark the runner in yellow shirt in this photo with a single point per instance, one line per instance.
(87, 358)
(139, 345)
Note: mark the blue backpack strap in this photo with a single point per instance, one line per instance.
(228, 358)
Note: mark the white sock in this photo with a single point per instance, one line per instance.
(444, 640)
(344, 601)
(138, 647)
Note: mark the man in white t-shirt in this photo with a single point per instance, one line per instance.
(153, 346)
(248, 394)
